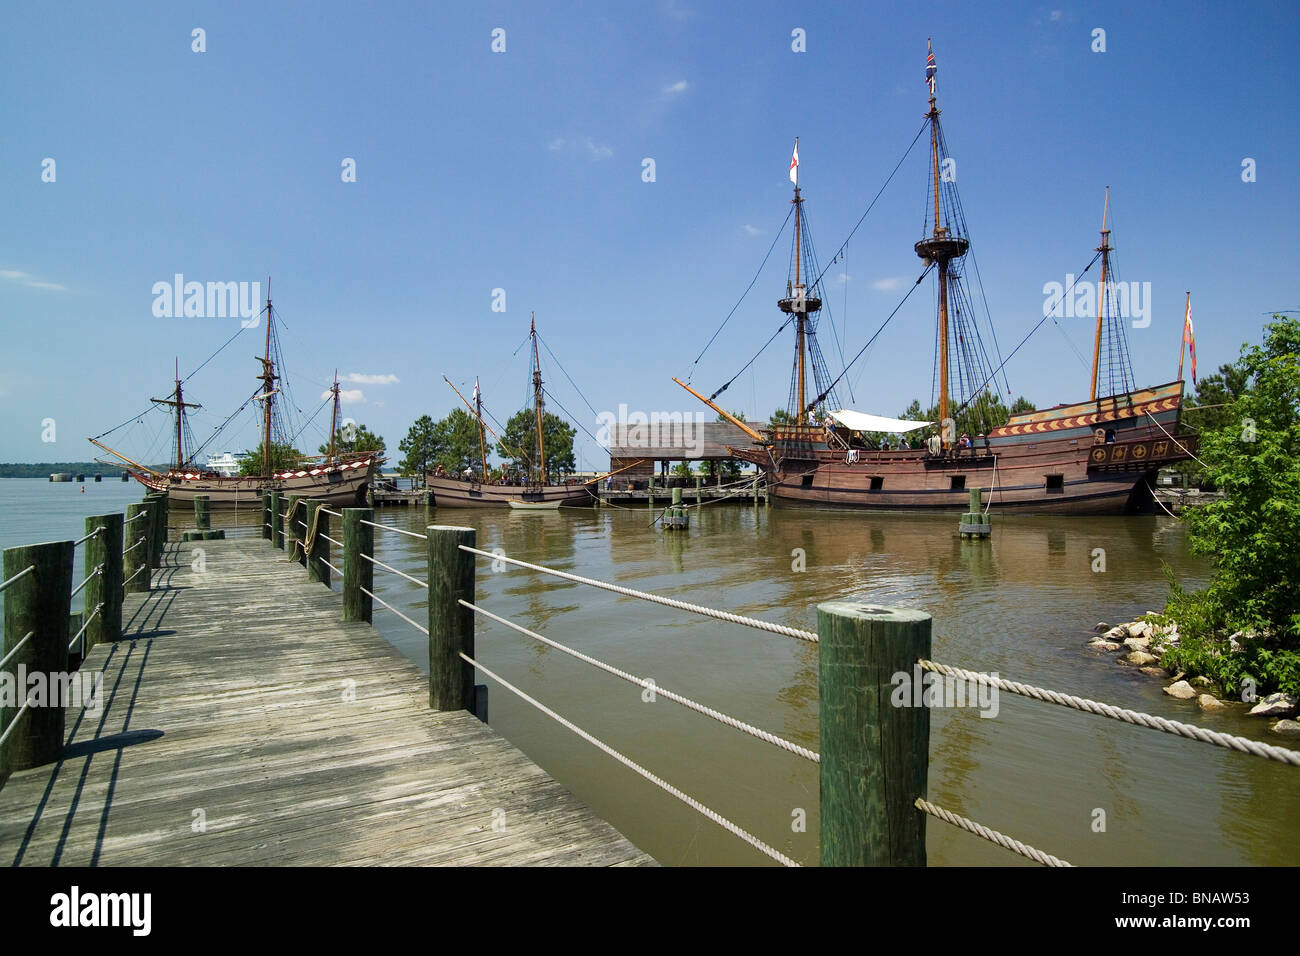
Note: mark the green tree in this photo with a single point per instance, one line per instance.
(418, 448)
(1207, 410)
(781, 417)
(1022, 404)
(283, 456)
(456, 442)
(1253, 457)
(355, 438)
(520, 446)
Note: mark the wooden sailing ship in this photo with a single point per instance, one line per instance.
(532, 493)
(1098, 456)
(339, 479)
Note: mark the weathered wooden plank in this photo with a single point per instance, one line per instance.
(301, 739)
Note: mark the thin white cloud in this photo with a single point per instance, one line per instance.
(556, 144)
(890, 284)
(360, 378)
(29, 280)
(753, 230)
(348, 396)
(1055, 15)
(597, 151)
(845, 277)
(681, 86)
(585, 145)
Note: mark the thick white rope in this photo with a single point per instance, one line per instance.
(14, 723)
(657, 599)
(89, 536)
(649, 684)
(19, 576)
(1230, 741)
(15, 649)
(1175, 440)
(136, 517)
(423, 584)
(691, 802)
(83, 629)
(331, 567)
(139, 541)
(99, 568)
(993, 836)
(322, 534)
(420, 628)
(1156, 499)
(134, 576)
(384, 527)
(328, 512)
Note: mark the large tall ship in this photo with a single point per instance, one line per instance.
(528, 491)
(339, 478)
(1098, 456)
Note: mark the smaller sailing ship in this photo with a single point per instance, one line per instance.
(532, 493)
(339, 479)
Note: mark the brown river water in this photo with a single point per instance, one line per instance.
(1021, 604)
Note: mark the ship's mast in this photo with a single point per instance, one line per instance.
(802, 315)
(1104, 249)
(940, 246)
(180, 406)
(268, 378)
(537, 399)
(478, 413)
(334, 418)
(797, 302)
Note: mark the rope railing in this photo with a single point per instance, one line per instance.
(333, 514)
(322, 534)
(76, 637)
(138, 542)
(16, 648)
(691, 802)
(993, 836)
(794, 632)
(18, 577)
(331, 567)
(99, 569)
(1137, 718)
(18, 716)
(136, 517)
(380, 564)
(409, 534)
(85, 538)
(135, 575)
(419, 627)
(651, 685)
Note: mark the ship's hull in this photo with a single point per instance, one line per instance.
(344, 484)
(1086, 459)
(462, 493)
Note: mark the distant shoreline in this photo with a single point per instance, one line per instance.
(43, 469)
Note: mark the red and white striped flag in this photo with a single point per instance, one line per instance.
(1189, 336)
(794, 163)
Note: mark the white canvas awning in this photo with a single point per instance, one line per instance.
(862, 422)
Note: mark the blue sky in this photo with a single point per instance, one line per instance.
(522, 171)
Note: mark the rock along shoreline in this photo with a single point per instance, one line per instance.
(1141, 644)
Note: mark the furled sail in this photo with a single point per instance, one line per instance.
(862, 422)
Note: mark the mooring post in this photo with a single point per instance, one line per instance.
(974, 524)
(37, 604)
(160, 529)
(267, 527)
(277, 519)
(317, 569)
(451, 626)
(153, 551)
(756, 491)
(135, 548)
(875, 733)
(699, 488)
(104, 551)
(292, 532)
(202, 514)
(358, 573)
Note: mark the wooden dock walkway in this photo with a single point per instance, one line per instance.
(244, 723)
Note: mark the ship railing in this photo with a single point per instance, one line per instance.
(863, 652)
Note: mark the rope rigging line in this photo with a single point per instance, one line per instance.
(384, 527)
(380, 564)
(1229, 741)
(779, 330)
(864, 348)
(1176, 441)
(775, 240)
(651, 685)
(655, 598)
(566, 374)
(993, 836)
(691, 802)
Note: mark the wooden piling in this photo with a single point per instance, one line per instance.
(37, 603)
(699, 488)
(137, 534)
(277, 519)
(317, 568)
(451, 626)
(974, 524)
(202, 512)
(358, 573)
(158, 528)
(267, 527)
(104, 551)
(875, 733)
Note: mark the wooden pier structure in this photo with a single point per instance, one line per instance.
(242, 721)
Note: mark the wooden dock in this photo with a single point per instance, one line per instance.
(244, 723)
